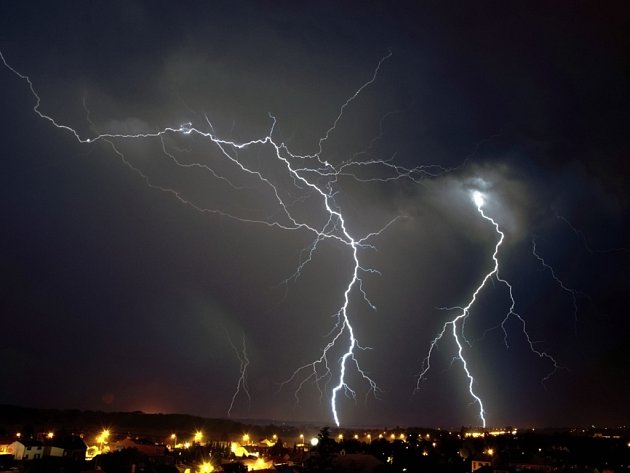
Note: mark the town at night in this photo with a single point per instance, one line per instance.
(38, 440)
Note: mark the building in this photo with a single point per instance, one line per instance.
(146, 447)
(26, 449)
(476, 464)
(70, 446)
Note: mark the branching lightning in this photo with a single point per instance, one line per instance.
(313, 177)
(456, 325)
(582, 237)
(309, 173)
(572, 292)
(241, 384)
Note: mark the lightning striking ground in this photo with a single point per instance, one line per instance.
(241, 384)
(457, 323)
(306, 173)
(313, 177)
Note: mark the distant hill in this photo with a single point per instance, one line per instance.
(30, 421)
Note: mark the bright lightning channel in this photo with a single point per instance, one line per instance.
(479, 200)
(308, 173)
(457, 324)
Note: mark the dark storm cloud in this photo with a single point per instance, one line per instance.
(134, 293)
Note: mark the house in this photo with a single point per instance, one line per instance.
(26, 449)
(476, 464)
(70, 446)
(143, 446)
(5, 443)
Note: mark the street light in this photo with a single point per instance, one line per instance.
(198, 436)
(102, 439)
(174, 439)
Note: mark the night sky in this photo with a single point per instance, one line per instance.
(116, 295)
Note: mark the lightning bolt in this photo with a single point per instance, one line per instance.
(582, 237)
(456, 325)
(241, 384)
(311, 176)
(572, 292)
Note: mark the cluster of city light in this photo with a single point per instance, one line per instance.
(253, 460)
(103, 436)
(239, 450)
(196, 439)
(174, 442)
(206, 467)
(493, 433)
(101, 445)
(102, 440)
(368, 436)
